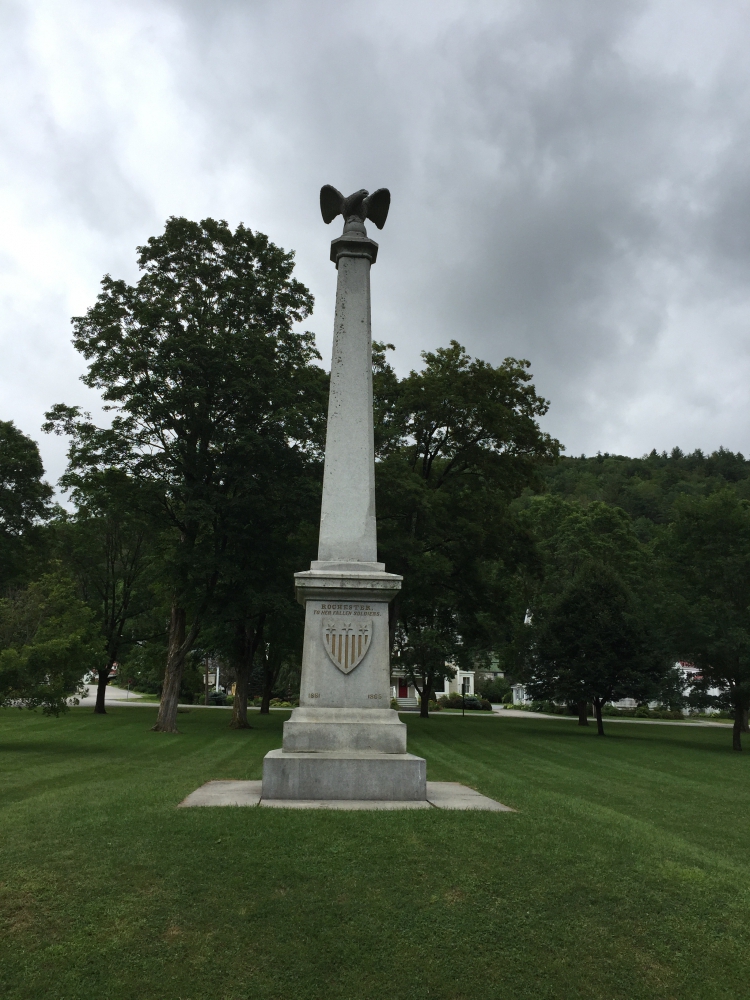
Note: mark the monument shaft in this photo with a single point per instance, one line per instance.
(347, 517)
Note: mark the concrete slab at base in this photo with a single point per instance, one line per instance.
(224, 793)
(453, 795)
(440, 795)
(354, 804)
(344, 775)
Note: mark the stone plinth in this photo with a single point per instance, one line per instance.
(347, 775)
(314, 729)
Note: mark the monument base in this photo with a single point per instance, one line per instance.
(344, 775)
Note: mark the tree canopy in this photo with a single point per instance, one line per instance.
(707, 551)
(25, 501)
(592, 644)
(457, 441)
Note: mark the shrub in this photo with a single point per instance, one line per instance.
(494, 690)
(548, 707)
(471, 702)
(48, 641)
(449, 701)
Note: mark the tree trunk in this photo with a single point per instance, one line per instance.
(392, 622)
(739, 715)
(101, 690)
(598, 712)
(745, 720)
(166, 721)
(268, 680)
(583, 713)
(205, 696)
(424, 698)
(239, 707)
(243, 669)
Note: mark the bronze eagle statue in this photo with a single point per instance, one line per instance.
(361, 205)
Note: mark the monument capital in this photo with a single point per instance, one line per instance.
(352, 244)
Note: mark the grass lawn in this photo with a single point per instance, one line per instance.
(624, 874)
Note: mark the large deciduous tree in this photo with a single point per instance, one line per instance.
(109, 546)
(457, 441)
(208, 382)
(593, 644)
(707, 550)
(256, 621)
(569, 536)
(24, 501)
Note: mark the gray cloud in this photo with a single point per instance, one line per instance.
(570, 184)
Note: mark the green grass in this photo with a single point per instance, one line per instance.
(624, 874)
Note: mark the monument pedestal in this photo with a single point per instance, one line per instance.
(343, 742)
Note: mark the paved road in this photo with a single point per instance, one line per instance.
(518, 714)
(119, 696)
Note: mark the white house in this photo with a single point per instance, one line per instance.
(407, 696)
(519, 695)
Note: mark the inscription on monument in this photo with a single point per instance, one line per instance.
(357, 610)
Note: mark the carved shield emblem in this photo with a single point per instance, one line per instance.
(346, 641)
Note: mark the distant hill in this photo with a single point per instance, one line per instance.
(648, 487)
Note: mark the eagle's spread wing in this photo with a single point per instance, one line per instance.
(376, 206)
(331, 203)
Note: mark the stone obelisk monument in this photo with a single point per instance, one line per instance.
(344, 741)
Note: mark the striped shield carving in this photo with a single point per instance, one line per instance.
(346, 641)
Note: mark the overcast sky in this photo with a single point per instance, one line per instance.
(570, 184)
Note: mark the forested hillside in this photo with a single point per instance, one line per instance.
(647, 487)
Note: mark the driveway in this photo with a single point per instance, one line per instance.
(114, 695)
